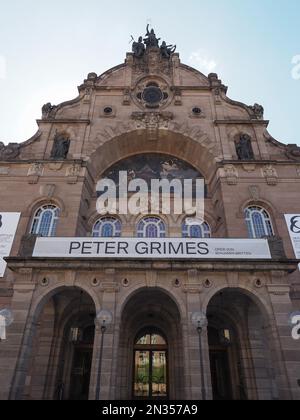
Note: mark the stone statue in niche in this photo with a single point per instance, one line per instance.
(244, 148)
(167, 50)
(61, 147)
(138, 48)
(151, 41)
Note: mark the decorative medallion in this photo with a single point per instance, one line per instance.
(152, 94)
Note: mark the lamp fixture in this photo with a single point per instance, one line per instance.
(104, 319)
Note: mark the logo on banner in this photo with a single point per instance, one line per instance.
(2, 328)
(295, 323)
(295, 224)
(8, 228)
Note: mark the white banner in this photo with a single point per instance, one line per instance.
(293, 223)
(8, 227)
(2, 328)
(138, 248)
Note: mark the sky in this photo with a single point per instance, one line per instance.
(48, 48)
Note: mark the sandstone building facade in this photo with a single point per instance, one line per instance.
(147, 115)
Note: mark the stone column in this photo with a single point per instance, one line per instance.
(192, 345)
(107, 383)
(286, 348)
(15, 351)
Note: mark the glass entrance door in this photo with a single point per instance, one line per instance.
(220, 375)
(150, 368)
(81, 365)
(81, 372)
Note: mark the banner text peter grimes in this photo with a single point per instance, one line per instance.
(140, 248)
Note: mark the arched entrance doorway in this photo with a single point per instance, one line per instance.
(150, 348)
(82, 354)
(226, 377)
(150, 379)
(239, 349)
(60, 362)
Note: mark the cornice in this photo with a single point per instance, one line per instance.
(63, 264)
(242, 121)
(64, 121)
(257, 162)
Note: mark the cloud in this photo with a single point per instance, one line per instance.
(200, 60)
(2, 67)
(296, 68)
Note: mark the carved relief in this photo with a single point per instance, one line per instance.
(109, 132)
(47, 190)
(73, 170)
(34, 172)
(151, 63)
(270, 174)
(36, 169)
(249, 167)
(152, 122)
(217, 95)
(55, 166)
(231, 174)
(126, 97)
(87, 95)
(178, 97)
(254, 192)
(193, 131)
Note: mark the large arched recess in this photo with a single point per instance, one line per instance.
(144, 310)
(168, 142)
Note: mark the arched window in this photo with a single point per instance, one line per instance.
(107, 227)
(258, 222)
(151, 366)
(151, 338)
(199, 230)
(45, 221)
(151, 227)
